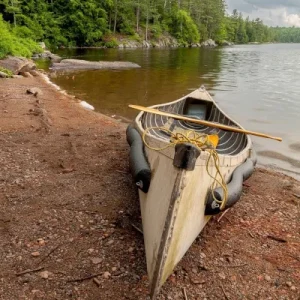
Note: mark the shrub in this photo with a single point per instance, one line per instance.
(12, 44)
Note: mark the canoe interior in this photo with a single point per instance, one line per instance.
(230, 143)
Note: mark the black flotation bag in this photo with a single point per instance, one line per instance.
(138, 163)
(235, 187)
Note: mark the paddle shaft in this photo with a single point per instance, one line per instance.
(202, 122)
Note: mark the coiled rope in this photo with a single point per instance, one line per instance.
(203, 142)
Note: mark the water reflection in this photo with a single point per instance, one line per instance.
(258, 86)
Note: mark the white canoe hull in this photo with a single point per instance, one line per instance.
(173, 209)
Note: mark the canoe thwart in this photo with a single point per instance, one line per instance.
(138, 163)
(186, 156)
(234, 188)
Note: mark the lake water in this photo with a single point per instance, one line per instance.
(258, 85)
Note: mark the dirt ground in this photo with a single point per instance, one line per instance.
(69, 212)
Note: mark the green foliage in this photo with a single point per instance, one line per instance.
(11, 43)
(6, 71)
(183, 27)
(87, 23)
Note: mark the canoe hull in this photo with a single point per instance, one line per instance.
(173, 211)
(173, 208)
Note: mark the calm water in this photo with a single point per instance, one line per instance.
(258, 85)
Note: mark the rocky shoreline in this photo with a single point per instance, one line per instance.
(69, 214)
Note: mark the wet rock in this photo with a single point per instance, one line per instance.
(77, 64)
(226, 43)
(209, 44)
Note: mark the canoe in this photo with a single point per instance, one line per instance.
(179, 187)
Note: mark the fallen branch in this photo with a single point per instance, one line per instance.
(85, 278)
(50, 252)
(29, 271)
(137, 228)
(275, 238)
(185, 294)
(97, 281)
(226, 297)
(232, 266)
(223, 214)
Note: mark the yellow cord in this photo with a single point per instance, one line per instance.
(202, 142)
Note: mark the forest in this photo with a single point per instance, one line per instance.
(61, 23)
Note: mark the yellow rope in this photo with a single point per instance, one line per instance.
(202, 142)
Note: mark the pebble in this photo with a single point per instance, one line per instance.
(41, 242)
(222, 275)
(35, 254)
(114, 269)
(289, 283)
(110, 242)
(293, 288)
(106, 275)
(96, 260)
(90, 251)
(44, 274)
(131, 249)
(267, 278)
(229, 259)
(194, 270)
(202, 255)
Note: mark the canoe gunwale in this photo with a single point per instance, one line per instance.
(158, 142)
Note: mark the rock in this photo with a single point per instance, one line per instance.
(42, 45)
(267, 278)
(44, 274)
(131, 249)
(202, 255)
(26, 74)
(55, 58)
(86, 105)
(110, 242)
(222, 275)
(293, 288)
(226, 43)
(25, 278)
(34, 91)
(209, 44)
(114, 269)
(96, 260)
(41, 241)
(90, 251)
(106, 275)
(35, 254)
(17, 64)
(17, 76)
(3, 75)
(34, 73)
(289, 284)
(77, 64)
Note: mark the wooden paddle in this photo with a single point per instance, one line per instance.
(202, 122)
